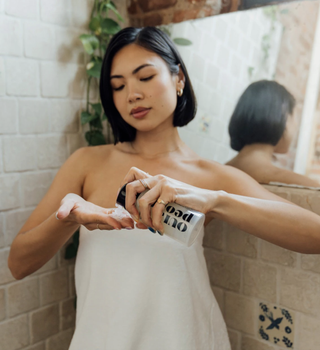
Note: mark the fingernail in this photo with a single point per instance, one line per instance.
(151, 229)
(129, 228)
(160, 233)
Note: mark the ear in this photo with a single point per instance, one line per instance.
(181, 78)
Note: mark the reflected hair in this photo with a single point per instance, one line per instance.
(260, 115)
(152, 39)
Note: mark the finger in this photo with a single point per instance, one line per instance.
(141, 225)
(65, 209)
(132, 190)
(133, 175)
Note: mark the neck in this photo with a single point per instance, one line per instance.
(156, 142)
(263, 151)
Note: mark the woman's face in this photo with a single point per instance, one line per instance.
(291, 126)
(144, 90)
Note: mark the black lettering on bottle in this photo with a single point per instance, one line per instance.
(166, 219)
(174, 222)
(182, 227)
(170, 209)
(178, 213)
(187, 217)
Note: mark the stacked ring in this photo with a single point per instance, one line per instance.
(144, 184)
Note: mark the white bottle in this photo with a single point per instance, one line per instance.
(180, 223)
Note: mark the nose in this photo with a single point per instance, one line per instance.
(134, 94)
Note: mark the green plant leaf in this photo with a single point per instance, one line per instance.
(94, 23)
(87, 117)
(97, 107)
(110, 26)
(90, 42)
(112, 7)
(182, 41)
(96, 122)
(95, 138)
(95, 70)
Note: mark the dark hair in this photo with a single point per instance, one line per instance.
(260, 115)
(152, 39)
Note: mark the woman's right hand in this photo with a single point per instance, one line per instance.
(75, 209)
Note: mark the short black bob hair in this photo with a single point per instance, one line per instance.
(260, 115)
(152, 39)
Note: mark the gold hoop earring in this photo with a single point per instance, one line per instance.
(180, 92)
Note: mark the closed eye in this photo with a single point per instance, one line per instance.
(119, 88)
(146, 79)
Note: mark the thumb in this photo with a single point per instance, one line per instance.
(65, 209)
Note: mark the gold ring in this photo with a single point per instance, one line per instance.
(98, 227)
(144, 184)
(160, 201)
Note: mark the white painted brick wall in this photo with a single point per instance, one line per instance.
(42, 89)
(2, 78)
(34, 116)
(8, 116)
(10, 37)
(24, 9)
(22, 77)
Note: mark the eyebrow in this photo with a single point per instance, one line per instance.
(134, 71)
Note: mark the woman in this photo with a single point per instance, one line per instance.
(138, 290)
(263, 124)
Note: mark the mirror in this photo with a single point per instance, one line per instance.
(231, 51)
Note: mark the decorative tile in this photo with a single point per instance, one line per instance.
(276, 325)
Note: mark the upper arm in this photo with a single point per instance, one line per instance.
(233, 180)
(69, 179)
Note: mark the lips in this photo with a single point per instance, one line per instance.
(139, 112)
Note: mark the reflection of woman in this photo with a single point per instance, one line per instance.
(263, 124)
(136, 289)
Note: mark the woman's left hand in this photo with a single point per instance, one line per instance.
(163, 190)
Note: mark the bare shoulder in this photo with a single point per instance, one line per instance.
(232, 180)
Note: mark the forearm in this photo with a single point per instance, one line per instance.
(32, 249)
(285, 225)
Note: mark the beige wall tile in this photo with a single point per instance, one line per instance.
(49, 266)
(224, 269)
(240, 312)
(72, 289)
(54, 286)
(248, 343)
(309, 335)
(2, 304)
(5, 274)
(14, 333)
(23, 296)
(300, 290)
(60, 341)
(273, 253)
(260, 280)
(14, 221)
(68, 314)
(44, 323)
(234, 338)
(39, 346)
(214, 236)
(2, 243)
(242, 243)
(310, 262)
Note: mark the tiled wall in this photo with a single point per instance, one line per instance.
(42, 89)
(246, 271)
(224, 48)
